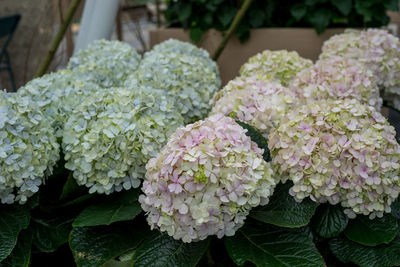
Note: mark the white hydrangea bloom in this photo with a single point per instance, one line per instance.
(280, 65)
(57, 94)
(378, 50)
(339, 151)
(257, 103)
(28, 148)
(109, 138)
(179, 47)
(338, 78)
(205, 181)
(190, 79)
(106, 63)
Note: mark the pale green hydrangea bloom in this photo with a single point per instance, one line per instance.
(339, 151)
(106, 63)
(57, 94)
(279, 65)
(378, 50)
(191, 80)
(109, 138)
(257, 103)
(28, 148)
(337, 78)
(205, 181)
(179, 47)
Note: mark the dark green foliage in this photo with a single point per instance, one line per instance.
(202, 15)
(282, 210)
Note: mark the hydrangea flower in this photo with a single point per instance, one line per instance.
(280, 65)
(257, 103)
(179, 47)
(338, 78)
(109, 138)
(57, 94)
(28, 148)
(377, 49)
(205, 181)
(339, 151)
(106, 63)
(191, 80)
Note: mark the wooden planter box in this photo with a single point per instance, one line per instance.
(303, 40)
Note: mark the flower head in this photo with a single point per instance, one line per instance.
(257, 103)
(57, 94)
(205, 181)
(280, 65)
(338, 78)
(106, 63)
(28, 148)
(109, 138)
(377, 49)
(192, 80)
(339, 151)
(179, 47)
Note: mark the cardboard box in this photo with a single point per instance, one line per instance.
(303, 40)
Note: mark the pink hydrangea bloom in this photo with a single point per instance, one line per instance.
(205, 181)
(339, 151)
(257, 103)
(378, 50)
(337, 77)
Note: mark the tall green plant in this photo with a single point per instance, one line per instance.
(201, 15)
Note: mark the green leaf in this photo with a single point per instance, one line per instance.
(267, 245)
(372, 232)
(196, 34)
(256, 17)
(51, 230)
(94, 246)
(71, 188)
(208, 19)
(396, 208)
(119, 207)
(344, 6)
(298, 11)
(320, 19)
(364, 9)
(391, 5)
(162, 250)
(257, 138)
(226, 15)
(329, 220)
(185, 10)
(282, 210)
(380, 256)
(21, 254)
(13, 219)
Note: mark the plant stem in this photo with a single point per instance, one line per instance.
(235, 23)
(57, 40)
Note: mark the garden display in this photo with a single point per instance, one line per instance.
(129, 160)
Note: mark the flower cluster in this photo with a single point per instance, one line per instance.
(339, 151)
(257, 103)
(205, 181)
(106, 63)
(28, 148)
(190, 79)
(338, 78)
(57, 94)
(279, 65)
(377, 49)
(109, 138)
(179, 47)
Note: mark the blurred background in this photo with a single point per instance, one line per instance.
(135, 19)
(40, 20)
